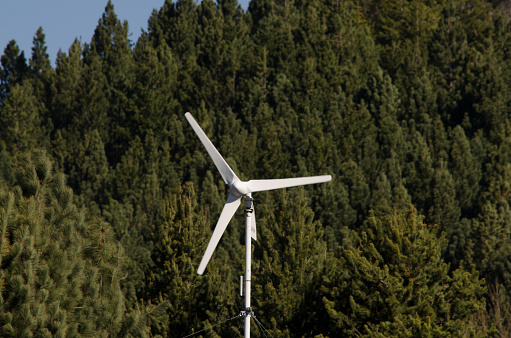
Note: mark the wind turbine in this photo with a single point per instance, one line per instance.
(239, 190)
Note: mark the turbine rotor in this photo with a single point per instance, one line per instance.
(239, 189)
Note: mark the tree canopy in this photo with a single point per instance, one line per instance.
(107, 198)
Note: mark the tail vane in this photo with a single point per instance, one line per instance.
(253, 229)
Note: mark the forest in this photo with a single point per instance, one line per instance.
(108, 199)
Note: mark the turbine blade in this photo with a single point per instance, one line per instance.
(227, 174)
(253, 229)
(263, 185)
(228, 211)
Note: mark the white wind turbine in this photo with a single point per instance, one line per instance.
(240, 189)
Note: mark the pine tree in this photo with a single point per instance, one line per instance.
(135, 198)
(418, 170)
(402, 102)
(110, 55)
(88, 170)
(289, 256)
(385, 108)
(444, 210)
(69, 88)
(20, 123)
(42, 77)
(403, 30)
(274, 23)
(489, 247)
(357, 187)
(14, 68)
(237, 57)
(181, 233)
(6, 168)
(94, 102)
(61, 272)
(39, 62)
(466, 170)
(152, 101)
(381, 200)
(457, 62)
(393, 281)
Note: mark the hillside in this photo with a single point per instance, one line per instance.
(405, 103)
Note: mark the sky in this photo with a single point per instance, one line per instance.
(64, 20)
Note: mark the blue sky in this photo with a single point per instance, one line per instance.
(65, 20)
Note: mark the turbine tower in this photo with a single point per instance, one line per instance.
(239, 190)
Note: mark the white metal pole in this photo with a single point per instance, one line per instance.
(248, 261)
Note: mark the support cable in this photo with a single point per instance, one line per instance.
(239, 327)
(212, 326)
(261, 327)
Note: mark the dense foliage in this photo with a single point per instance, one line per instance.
(405, 103)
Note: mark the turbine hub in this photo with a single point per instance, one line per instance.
(239, 188)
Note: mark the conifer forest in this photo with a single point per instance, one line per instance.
(108, 199)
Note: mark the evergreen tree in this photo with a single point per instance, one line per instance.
(381, 201)
(131, 210)
(181, 233)
(39, 62)
(489, 247)
(403, 30)
(42, 77)
(402, 102)
(175, 25)
(110, 55)
(354, 179)
(61, 273)
(385, 108)
(14, 68)
(445, 210)
(6, 169)
(418, 170)
(68, 87)
(274, 23)
(152, 101)
(393, 281)
(456, 57)
(89, 172)
(289, 256)
(466, 170)
(19, 119)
